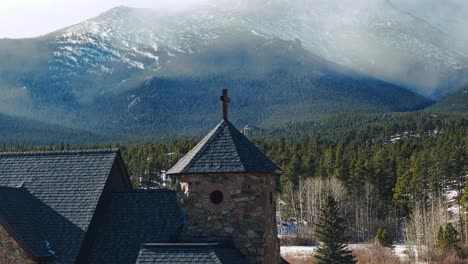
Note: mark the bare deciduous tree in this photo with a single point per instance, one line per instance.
(423, 225)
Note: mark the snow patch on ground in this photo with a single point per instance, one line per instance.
(451, 196)
(293, 250)
(307, 252)
(298, 252)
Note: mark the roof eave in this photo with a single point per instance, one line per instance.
(21, 242)
(123, 168)
(225, 172)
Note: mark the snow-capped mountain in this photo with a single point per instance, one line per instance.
(126, 45)
(107, 57)
(387, 39)
(374, 37)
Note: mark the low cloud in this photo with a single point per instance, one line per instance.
(420, 43)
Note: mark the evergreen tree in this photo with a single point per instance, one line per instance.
(382, 238)
(440, 238)
(330, 231)
(447, 238)
(464, 198)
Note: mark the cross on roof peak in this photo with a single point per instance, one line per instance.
(226, 100)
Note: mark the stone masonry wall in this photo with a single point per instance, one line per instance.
(247, 212)
(10, 251)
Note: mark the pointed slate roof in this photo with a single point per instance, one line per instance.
(62, 188)
(225, 150)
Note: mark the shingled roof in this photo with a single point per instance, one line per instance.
(225, 150)
(80, 207)
(18, 210)
(132, 219)
(62, 188)
(189, 253)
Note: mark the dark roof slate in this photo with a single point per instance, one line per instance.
(189, 254)
(67, 186)
(18, 209)
(225, 150)
(132, 219)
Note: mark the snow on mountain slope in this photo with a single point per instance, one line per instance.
(376, 37)
(140, 38)
(127, 43)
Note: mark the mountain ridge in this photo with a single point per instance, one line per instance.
(69, 76)
(455, 102)
(415, 45)
(18, 131)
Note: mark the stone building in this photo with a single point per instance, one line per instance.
(80, 207)
(228, 189)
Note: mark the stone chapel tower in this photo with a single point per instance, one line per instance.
(228, 189)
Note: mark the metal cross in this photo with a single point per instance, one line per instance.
(226, 100)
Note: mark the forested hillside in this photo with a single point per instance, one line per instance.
(383, 165)
(454, 102)
(270, 80)
(188, 106)
(383, 169)
(392, 165)
(16, 131)
(401, 172)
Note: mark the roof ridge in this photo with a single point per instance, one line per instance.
(204, 143)
(181, 244)
(59, 152)
(162, 190)
(233, 129)
(252, 147)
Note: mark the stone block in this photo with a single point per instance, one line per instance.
(251, 234)
(229, 230)
(242, 199)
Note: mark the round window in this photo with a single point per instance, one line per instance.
(216, 197)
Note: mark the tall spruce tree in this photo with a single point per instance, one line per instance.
(330, 231)
(383, 239)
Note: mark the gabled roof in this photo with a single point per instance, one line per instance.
(67, 186)
(186, 253)
(132, 219)
(225, 150)
(18, 209)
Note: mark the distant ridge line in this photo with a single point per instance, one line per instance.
(59, 152)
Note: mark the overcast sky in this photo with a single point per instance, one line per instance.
(30, 18)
